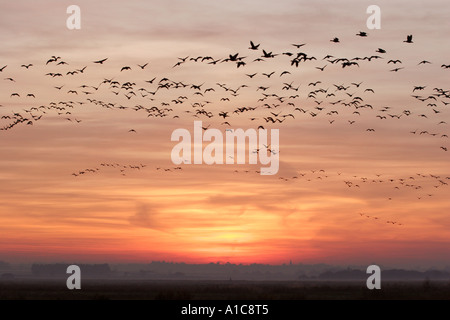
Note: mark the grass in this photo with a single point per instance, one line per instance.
(24, 289)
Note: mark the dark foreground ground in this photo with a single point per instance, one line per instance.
(27, 289)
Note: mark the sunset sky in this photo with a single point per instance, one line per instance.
(343, 194)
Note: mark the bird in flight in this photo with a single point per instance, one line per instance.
(408, 39)
(101, 61)
(267, 54)
(419, 88)
(53, 59)
(253, 46)
(268, 75)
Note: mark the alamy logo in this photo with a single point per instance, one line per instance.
(220, 150)
(73, 22)
(74, 280)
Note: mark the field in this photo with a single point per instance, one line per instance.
(26, 289)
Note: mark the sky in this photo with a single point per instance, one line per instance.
(343, 194)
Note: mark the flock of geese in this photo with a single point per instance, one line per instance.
(121, 168)
(218, 103)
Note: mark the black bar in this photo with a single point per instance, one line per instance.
(235, 309)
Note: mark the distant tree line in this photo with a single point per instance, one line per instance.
(392, 274)
(60, 269)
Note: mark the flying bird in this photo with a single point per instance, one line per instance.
(268, 75)
(408, 39)
(253, 46)
(101, 61)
